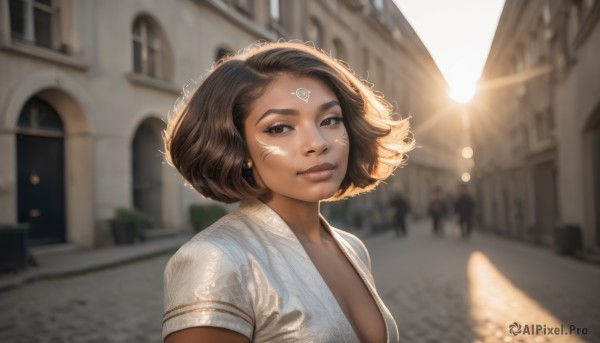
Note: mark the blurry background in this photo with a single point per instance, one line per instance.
(89, 84)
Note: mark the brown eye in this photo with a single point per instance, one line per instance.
(331, 121)
(278, 128)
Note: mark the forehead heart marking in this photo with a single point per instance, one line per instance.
(302, 94)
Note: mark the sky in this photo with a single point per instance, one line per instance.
(457, 33)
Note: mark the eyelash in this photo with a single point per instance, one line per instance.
(338, 120)
(277, 128)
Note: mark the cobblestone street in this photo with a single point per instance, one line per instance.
(118, 305)
(440, 289)
(447, 289)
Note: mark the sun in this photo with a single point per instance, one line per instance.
(462, 91)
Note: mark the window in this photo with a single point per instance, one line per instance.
(339, 50)
(540, 127)
(244, 6)
(314, 32)
(589, 4)
(378, 5)
(37, 114)
(34, 22)
(380, 74)
(147, 48)
(550, 120)
(546, 14)
(274, 10)
(576, 13)
(366, 65)
(222, 52)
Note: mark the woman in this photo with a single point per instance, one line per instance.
(279, 127)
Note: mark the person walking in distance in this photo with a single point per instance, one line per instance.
(401, 208)
(437, 210)
(464, 207)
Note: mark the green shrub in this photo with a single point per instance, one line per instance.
(127, 226)
(203, 216)
(128, 215)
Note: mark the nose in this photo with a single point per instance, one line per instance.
(315, 142)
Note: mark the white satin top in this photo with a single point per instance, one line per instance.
(249, 273)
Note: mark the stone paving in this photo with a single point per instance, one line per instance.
(123, 304)
(440, 289)
(449, 289)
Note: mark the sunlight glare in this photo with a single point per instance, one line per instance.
(462, 92)
(496, 303)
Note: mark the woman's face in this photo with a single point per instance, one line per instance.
(296, 139)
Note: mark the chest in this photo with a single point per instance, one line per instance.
(350, 291)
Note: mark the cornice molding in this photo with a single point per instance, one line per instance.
(238, 19)
(45, 55)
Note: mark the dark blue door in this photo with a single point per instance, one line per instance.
(40, 173)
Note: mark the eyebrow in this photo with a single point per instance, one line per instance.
(287, 111)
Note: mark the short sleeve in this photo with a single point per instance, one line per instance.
(204, 287)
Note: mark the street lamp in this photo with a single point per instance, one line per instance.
(466, 177)
(467, 152)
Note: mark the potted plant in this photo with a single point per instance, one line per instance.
(127, 226)
(202, 216)
(13, 246)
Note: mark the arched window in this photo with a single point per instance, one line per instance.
(366, 64)
(339, 50)
(378, 5)
(314, 32)
(275, 10)
(38, 115)
(222, 52)
(148, 50)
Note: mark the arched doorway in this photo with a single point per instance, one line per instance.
(40, 172)
(596, 176)
(147, 170)
(591, 172)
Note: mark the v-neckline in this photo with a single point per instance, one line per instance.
(360, 272)
(280, 227)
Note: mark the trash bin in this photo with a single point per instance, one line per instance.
(567, 239)
(13, 246)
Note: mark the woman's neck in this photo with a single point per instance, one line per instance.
(301, 216)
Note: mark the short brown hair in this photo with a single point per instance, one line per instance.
(204, 137)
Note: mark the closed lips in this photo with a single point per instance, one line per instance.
(318, 168)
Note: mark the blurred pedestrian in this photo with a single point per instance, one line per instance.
(401, 208)
(437, 210)
(464, 207)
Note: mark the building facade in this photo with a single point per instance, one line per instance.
(535, 122)
(87, 86)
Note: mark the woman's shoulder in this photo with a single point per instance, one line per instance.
(205, 282)
(223, 239)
